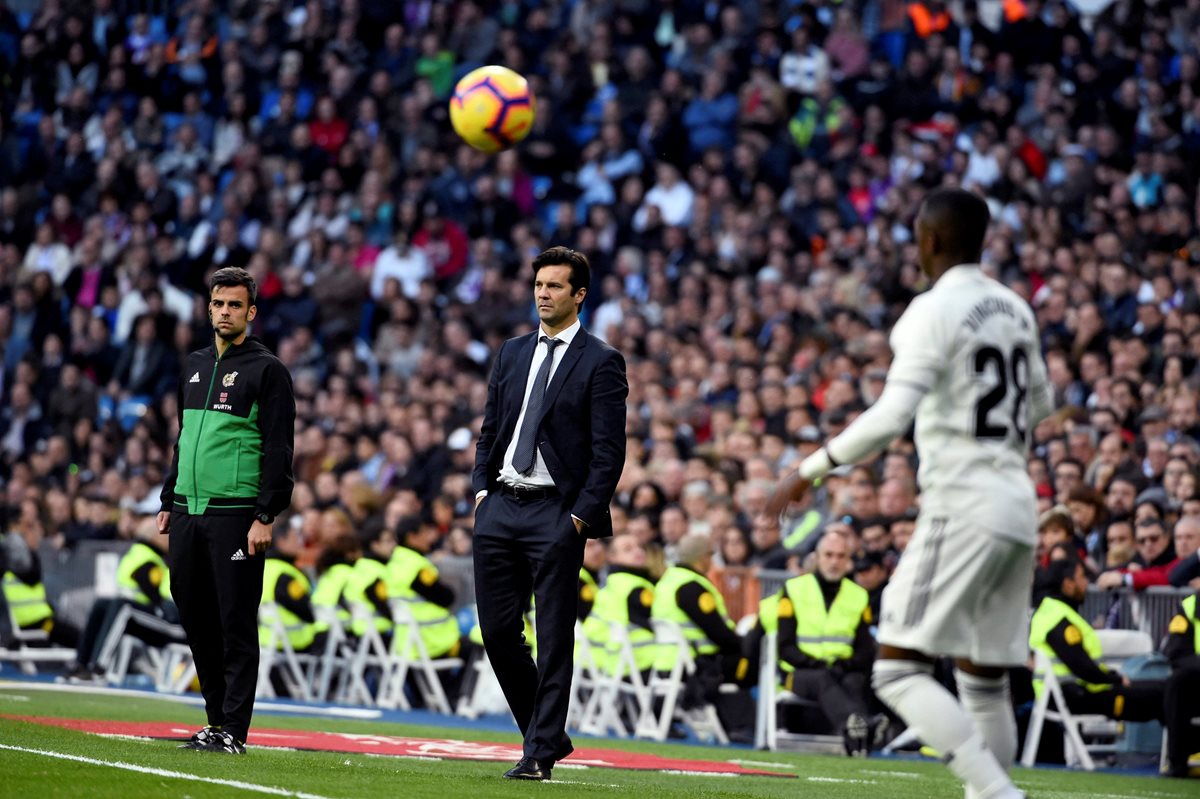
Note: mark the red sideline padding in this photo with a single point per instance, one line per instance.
(406, 747)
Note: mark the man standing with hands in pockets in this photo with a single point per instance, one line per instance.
(550, 452)
(230, 477)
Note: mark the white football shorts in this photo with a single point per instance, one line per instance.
(960, 591)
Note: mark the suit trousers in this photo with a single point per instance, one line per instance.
(524, 548)
(218, 594)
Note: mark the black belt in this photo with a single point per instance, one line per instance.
(528, 493)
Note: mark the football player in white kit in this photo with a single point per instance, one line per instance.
(968, 365)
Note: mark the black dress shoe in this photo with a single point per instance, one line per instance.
(528, 769)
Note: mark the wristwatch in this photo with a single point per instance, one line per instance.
(265, 518)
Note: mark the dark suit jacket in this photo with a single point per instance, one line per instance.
(582, 431)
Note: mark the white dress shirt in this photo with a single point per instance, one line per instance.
(540, 476)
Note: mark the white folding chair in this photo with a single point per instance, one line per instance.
(335, 658)
(485, 695)
(771, 695)
(297, 669)
(26, 649)
(409, 654)
(632, 686)
(595, 693)
(1117, 646)
(163, 664)
(366, 653)
(703, 721)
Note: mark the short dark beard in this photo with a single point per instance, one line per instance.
(231, 336)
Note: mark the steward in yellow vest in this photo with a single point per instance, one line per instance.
(1181, 698)
(291, 591)
(25, 597)
(143, 583)
(335, 566)
(367, 590)
(825, 644)
(1070, 642)
(685, 596)
(412, 580)
(624, 601)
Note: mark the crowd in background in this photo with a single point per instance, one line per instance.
(742, 175)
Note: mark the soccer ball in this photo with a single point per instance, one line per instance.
(492, 108)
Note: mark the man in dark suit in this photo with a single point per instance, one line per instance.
(549, 455)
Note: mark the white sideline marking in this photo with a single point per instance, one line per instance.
(188, 699)
(160, 772)
(905, 774)
(763, 764)
(839, 779)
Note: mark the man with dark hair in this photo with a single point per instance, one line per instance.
(550, 452)
(968, 367)
(1072, 646)
(230, 477)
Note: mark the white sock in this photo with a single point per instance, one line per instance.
(908, 688)
(989, 704)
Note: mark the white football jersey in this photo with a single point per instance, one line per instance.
(971, 346)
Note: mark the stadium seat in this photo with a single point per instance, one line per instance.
(409, 655)
(367, 655)
(771, 694)
(667, 686)
(1084, 735)
(120, 650)
(335, 658)
(27, 648)
(296, 669)
(595, 693)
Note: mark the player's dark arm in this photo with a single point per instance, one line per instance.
(864, 647)
(1067, 644)
(277, 426)
(639, 603)
(488, 430)
(290, 594)
(700, 607)
(427, 586)
(149, 579)
(1180, 646)
(789, 651)
(609, 390)
(167, 497)
(1185, 571)
(377, 595)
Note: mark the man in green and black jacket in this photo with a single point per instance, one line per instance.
(230, 477)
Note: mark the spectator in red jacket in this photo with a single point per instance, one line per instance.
(445, 242)
(328, 130)
(1154, 560)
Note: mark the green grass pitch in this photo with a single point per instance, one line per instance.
(130, 768)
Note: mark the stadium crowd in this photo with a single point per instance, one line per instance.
(743, 177)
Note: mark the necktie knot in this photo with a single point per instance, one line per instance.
(550, 343)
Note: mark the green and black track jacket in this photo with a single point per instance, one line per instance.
(237, 418)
